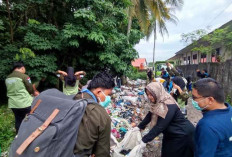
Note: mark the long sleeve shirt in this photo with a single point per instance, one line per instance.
(174, 125)
(94, 131)
(19, 90)
(213, 135)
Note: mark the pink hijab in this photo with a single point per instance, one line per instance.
(162, 99)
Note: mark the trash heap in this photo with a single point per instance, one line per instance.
(129, 106)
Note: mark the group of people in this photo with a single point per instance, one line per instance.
(211, 137)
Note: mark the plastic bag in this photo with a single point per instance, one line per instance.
(133, 100)
(137, 151)
(131, 139)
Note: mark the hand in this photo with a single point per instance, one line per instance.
(197, 70)
(135, 129)
(36, 93)
(175, 86)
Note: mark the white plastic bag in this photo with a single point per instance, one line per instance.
(131, 139)
(137, 151)
(133, 100)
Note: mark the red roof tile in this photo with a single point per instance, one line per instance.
(138, 62)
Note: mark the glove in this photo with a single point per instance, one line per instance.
(135, 129)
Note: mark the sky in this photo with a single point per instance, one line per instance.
(195, 14)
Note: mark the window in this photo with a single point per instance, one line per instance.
(185, 60)
(189, 60)
(203, 58)
(218, 51)
(195, 59)
(213, 57)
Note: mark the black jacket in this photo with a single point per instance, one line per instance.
(173, 126)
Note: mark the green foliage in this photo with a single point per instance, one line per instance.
(49, 35)
(7, 131)
(203, 49)
(135, 74)
(206, 43)
(192, 37)
(228, 99)
(24, 53)
(41, 62)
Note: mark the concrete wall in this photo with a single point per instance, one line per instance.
(222, 72)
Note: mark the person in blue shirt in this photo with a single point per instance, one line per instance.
(213, 136)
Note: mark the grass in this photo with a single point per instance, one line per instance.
(7, 130)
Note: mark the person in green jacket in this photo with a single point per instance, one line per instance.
(70, 80)
(19, 91)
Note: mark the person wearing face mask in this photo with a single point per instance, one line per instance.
(180, 93)
(165, 117)
(213, 136)
(95, 128)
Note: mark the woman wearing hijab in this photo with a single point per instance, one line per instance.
(70, 80)
(165, 117)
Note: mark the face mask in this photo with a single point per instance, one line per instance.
(196, 106)
(106, 102)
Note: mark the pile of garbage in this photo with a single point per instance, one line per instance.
(129, 106)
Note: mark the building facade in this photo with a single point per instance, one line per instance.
(186, 56)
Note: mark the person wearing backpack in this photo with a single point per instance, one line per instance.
(95, 127)
(19, 91)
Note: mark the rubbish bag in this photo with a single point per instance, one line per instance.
(137, 151)
(131, 139)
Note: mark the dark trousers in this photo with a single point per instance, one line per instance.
(20, 114)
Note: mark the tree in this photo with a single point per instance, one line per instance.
(161, 12)
(206, 43)
(89, 35)
(152, 16)
(192, 37)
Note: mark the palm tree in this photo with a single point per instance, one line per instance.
(161, 12)
(153, 15)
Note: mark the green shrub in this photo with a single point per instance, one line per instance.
(138, 75)
(7, 130)
(228, 99)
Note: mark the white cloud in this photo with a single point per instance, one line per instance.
(229, 9)
(197, 14)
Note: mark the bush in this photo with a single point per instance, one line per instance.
(7, 130)
(228, 99)
(138, 75)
